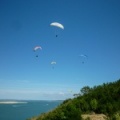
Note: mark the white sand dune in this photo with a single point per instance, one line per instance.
(12, 102)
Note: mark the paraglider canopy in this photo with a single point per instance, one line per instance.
(56, 24)
(37, 47)
(82, 55)
(53, 62)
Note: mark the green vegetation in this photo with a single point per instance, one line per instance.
(66, 111)
(103, 99)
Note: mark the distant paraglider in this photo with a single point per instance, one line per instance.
(36, 48)
(83, 58)
(53, 63)
(58, 25)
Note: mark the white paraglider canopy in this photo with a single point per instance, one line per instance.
(37, 47)
(53, 62)
(56, 24)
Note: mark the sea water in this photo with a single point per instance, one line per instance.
(25, 109)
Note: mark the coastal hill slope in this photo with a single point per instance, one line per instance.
(102, 99)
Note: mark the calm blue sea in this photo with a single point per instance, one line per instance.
(22, 111)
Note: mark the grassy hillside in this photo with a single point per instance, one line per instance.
(103, 99)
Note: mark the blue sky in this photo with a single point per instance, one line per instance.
(92, 28)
